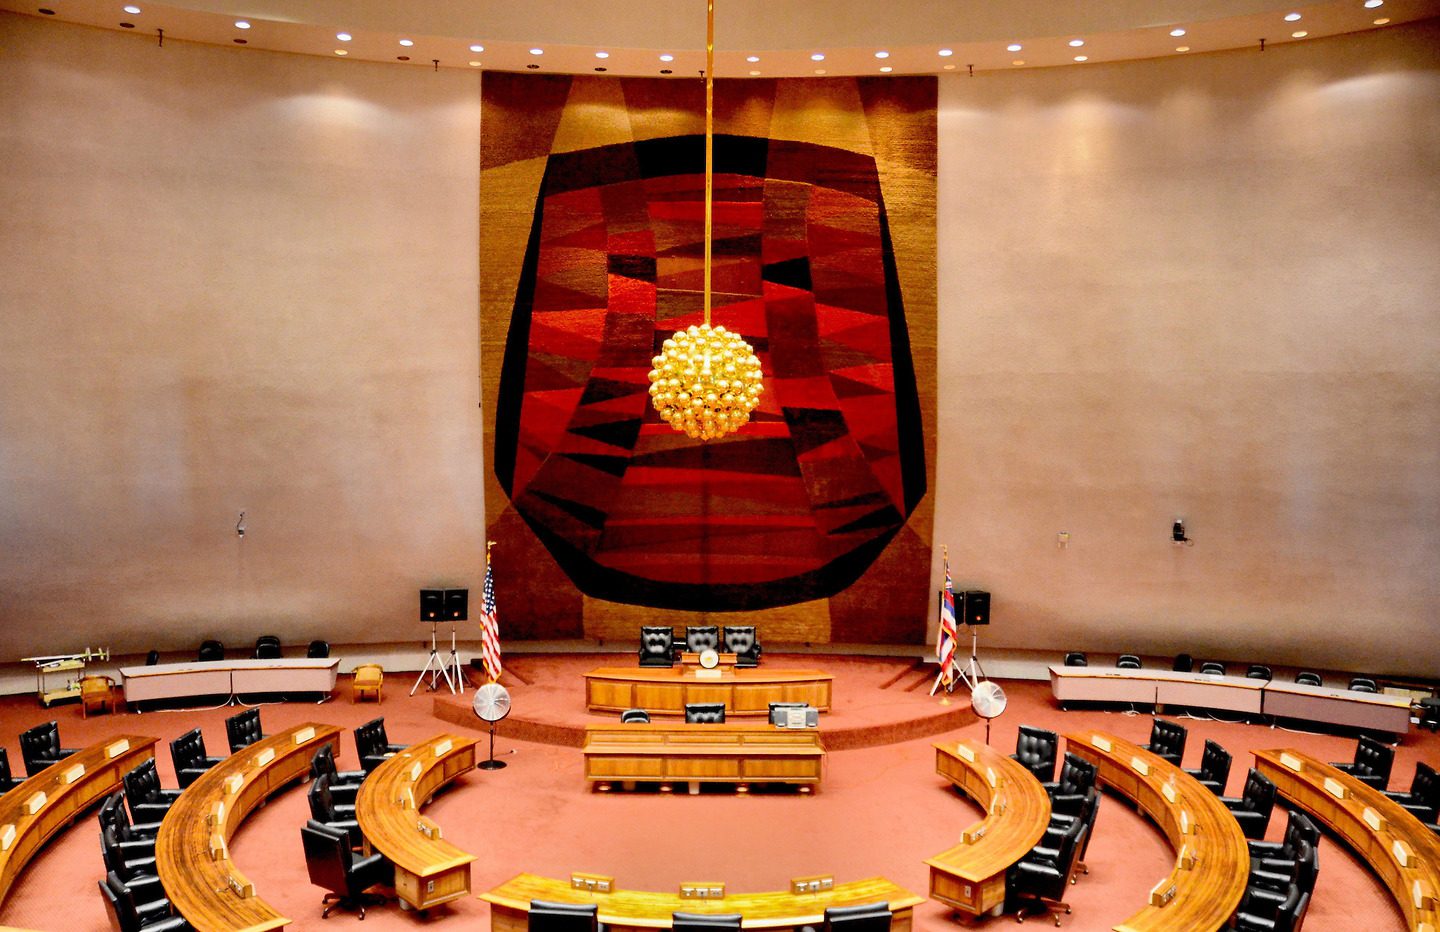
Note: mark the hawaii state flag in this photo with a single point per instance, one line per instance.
(945, 645)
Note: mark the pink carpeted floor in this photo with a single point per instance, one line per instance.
(881, 810)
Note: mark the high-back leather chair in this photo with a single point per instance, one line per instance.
(704, 922)
(243, 729)
(8, 781)
(705, 712)
(862, 917)
(1258, 671)
(1184, 663)
(111, 814)
(1252, 810)
(373, 745)
(1307, 678)
(1037, 749)
(657, 646)
(702, 637)
(1363, 684)
(1264, 910)
(1424, 797)
(546, 916)
(152, 658)
(40, 747)
(1167, 740)
(1214, 768)
(148, 800)
(338, 816)
(133, 860)
(267, 647)
(342, 782)
(1128, 662)
(1372, 763)
(634, 717)
(1077, 778)
(1213, 667)
(318, 649)
(740, 640)
(332, 865)
(187, 753)
(130, 916)
(210, 650)
(1279, 855)
(1076, 658)
(1042, 876)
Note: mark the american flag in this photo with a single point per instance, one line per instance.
(490, 627)
(945, 645)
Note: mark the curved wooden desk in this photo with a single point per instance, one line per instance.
(1212, 859)
(693, 753)
(428, 869)
(67, 792)
(970, 877)
(634, 910)
(666, 690)
(191, 849)
(1399, 848)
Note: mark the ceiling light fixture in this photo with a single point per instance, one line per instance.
(341, 52)
(667, 57)
(474, 64)
(752, 59)
(754, 74)
(537, 51)
(602, 54)
(477, 48)
(241, 24)
(886, 69)
(1299, 35)
(1382, 20)
(1018, 61)
(820, 71)
(1014, 47)
(882, 54)
(1177, 32)
(1372, 4)
(945, 53)
(1292, 17)
(1076, 43)
(132, 10)
(1082, 57)
(407, 42)
(343, 36)
(1182, 48)
(818, 56)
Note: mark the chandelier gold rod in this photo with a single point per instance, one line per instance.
(709, 144)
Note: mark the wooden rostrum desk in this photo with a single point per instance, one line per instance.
(970, 877)
(667, 690)
(192, 848)
(722, 752)
(428, 870)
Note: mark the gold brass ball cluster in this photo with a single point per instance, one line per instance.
(706, 381)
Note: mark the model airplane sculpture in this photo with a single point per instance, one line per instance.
(63, 663)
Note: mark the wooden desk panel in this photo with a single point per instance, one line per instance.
(634, 910)
(1305, 789)
(970, 877)
(729, 752)
(1338, 707)
(428, 871)
(63, 801)
(213, 895)
(667, 690)
(1199, 897)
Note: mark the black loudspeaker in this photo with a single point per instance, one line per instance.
(457, 604)
(432, 604)
(977, 607)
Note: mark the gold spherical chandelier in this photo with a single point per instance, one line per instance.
(706, 379)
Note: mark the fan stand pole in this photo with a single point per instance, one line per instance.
(492, 763)
(987, 732)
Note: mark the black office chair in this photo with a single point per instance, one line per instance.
(40, 747)
(634, 717)
(1077, 778)
(131, 916)
(1076, 658)
(1363, 684)
(1372, 763)
(148, 800)
(1258, 671)
(342, 782)
(1128, 662)
(702, 637)
(1060, 824)
(1307, 678)
(187, 753)
(112, 815)
(130, 862)
(267, 647)
(318, 649)
(326, 810)
(333, 865)
(1279, 873)
(1298, 828)
(8, 781)
(741, 641)
(243, 729)
(1040, 879)
(373, 745)
(1184, 663)
(862, 917)
(546, 916)
(1264, 910)
(707, 713)
(1252, 810)
(210, 650)
(1167, 740)
(1214, 769)
(1037, 749)
(657, 646)
(704, 922)
(152, 658)
(1214, 667)
(1423, 800)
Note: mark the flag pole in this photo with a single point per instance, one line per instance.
(945, 658)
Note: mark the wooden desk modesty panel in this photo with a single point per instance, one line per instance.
(103, 770)
(635, 910)
(230, 678)
(210, 892)
(667, 690)
(428, 871)
(1212, 858)
(971, 876)
(1416, 886)
(728, 752)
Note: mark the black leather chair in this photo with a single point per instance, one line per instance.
(1307, 678)
(131, 916)
(148, 800)
(134, 861)
(1298, 828)
(657, 646)
(1076, 658)
(1128, 662)
(1060, 824)
(1279, 873)
(342, 782)
(267, 647)
(862, 917)
(1214, 769)
(318, 649)
(210, 650)
(1372, 763)
(1184, 663)
(332, 865)
(1363, 684)
(1041, 878)
(702, 637)
(740, 640)
(705, 712)
(325, 809)
(634, 717)
(152, 658)
(1423, 800)
(373, 745)
(1037, 749)
(546, 916)
(40, 747)
(112, 814)
(1077, 778)
(1214, 667)
(1264, 910)
(1252, 810)
(243, 729)
(8, 781)
(704, 922)
(1258, 671)
(187, 753)
(1167, 740)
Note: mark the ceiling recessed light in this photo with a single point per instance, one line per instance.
(477, 48)
(133, 10)
(819, 70)
(1372, 4)
(1182, 48)
(341, 52)
(882, 54)
(533, 67)
(1292, 17)
(601, 69)
(1014, 47)
(1382, 20)
(239, 41)
(945, 53)
(949, 67)
(666, 71)
(886, 68)
(1299, 35)
(754, 74)
(1018, 61)
(241, 24)
(1082, 57)
(407, 42)
(537, 51)
(1177, 32)
(343, 36)
(402, 57)
(127, 25)
(667, 57)
(752, 59)
(818, 56)
(474, 64)
(1076, 43)
(602, 54)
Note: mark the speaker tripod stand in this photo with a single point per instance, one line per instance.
(972, 674)
(437, 668)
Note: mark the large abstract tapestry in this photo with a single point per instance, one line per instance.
(814, 520)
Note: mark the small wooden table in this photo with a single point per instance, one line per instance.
(970, 877)
(667, 690)
(428, 870)
(639, 911)
(738, 752)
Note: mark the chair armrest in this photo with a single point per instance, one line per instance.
(1067, 803)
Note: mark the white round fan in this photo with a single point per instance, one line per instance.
(491, 703)
(987, 699)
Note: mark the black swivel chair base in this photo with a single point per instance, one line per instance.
(1053, 911)
(355, 904)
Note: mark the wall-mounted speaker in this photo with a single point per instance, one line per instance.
(976, 607)
(457, 604)
(432, 604)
